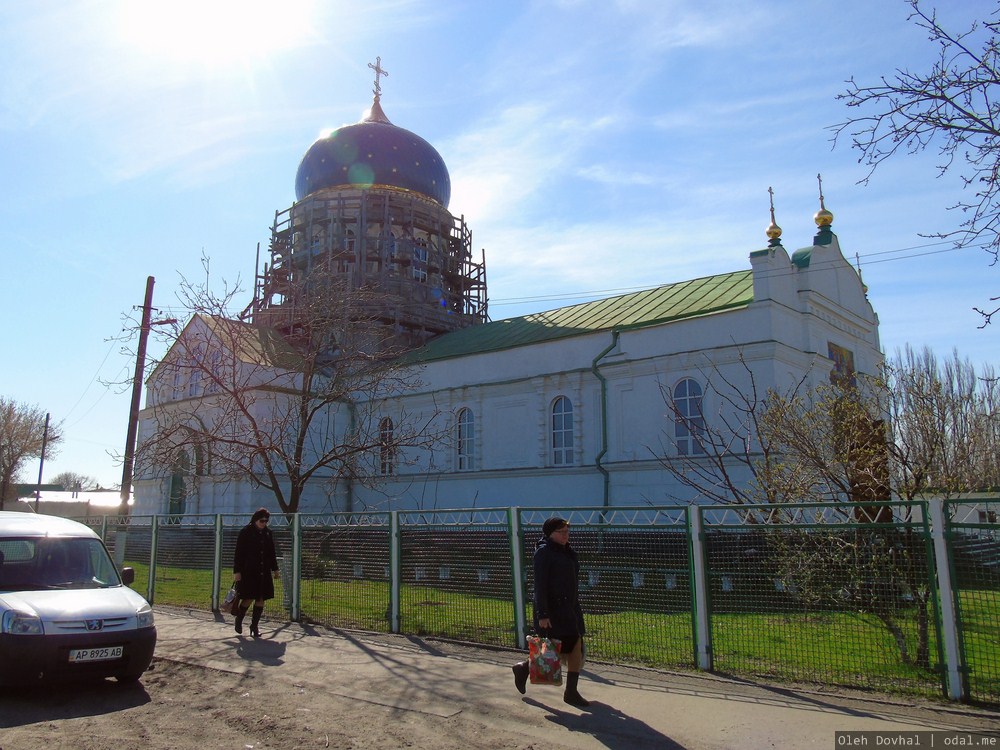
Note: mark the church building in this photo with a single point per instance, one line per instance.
(584, 405)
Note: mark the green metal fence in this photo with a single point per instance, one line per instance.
(973, 533)
(848, 595)
(345, 571)
(635, 585)
(824, 594)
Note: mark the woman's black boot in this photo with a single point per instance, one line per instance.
(239, 620)
(255, 621)
(520, 671)
(572, 695)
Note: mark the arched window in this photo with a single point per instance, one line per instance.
(562, 432)
(179, 474)
(387, 448)
(317, 240)
(465, 440)
(196, 362)
(689, 421)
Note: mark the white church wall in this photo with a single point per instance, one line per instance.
(782, 337)
(485, 489)
(831, 276)
(644, 362)
(773, 276)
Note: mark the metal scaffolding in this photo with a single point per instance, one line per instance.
(407, 249)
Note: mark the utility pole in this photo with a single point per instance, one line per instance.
(3, 479)
(41, 461)
(133, 416)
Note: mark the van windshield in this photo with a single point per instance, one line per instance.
(36, 563)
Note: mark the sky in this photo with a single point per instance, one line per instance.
(594, 147)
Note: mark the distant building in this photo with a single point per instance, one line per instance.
(70, 503)
(570, 406)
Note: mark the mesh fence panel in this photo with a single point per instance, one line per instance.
(974, 531)
(635, 587)
(811, 593)
(822, 598)
(231, 526)
(345, 571)
(185, 556)
(455, 571)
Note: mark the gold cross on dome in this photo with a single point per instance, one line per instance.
(377, 67)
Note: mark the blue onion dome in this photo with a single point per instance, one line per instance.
(374, 153)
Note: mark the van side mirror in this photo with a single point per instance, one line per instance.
(128, 576)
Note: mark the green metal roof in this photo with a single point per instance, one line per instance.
(685, 299)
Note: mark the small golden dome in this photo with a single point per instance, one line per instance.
(823, 218)
(773, 231)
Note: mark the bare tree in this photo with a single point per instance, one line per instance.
(854, 442)
(945, 424)
(71, 480)
(729, 445)
(918, 426)
(952, 107)
(22, 431)
(309, 401)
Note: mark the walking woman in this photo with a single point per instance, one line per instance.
(255, 566)
(557, 606)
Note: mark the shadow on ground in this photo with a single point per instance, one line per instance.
(610, 726)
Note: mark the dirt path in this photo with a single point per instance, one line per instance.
(185, 707)
(300, 687)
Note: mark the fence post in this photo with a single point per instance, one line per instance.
(946, 595)
(217, 562)
(699, 583)
(296, 602)
(394, 571)
(154, 532)
(517, 579)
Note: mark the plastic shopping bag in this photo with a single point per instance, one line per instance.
(544, 667)
(232, 600)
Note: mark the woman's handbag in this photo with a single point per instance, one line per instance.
(232, 600)
(544, 667)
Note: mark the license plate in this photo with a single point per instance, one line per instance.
(96, 654)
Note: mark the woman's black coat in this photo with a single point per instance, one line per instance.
(557, 592)
(255, 560)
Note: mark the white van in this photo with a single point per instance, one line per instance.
(65, 611)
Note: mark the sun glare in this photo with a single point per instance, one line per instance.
(216, 33)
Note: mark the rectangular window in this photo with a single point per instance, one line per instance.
(178, 383)
(215, 368)
(420, 262)
(387, 448)
(194, 381)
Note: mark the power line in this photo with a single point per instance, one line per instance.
(93, 379)
(872, 258)
(625, 290)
